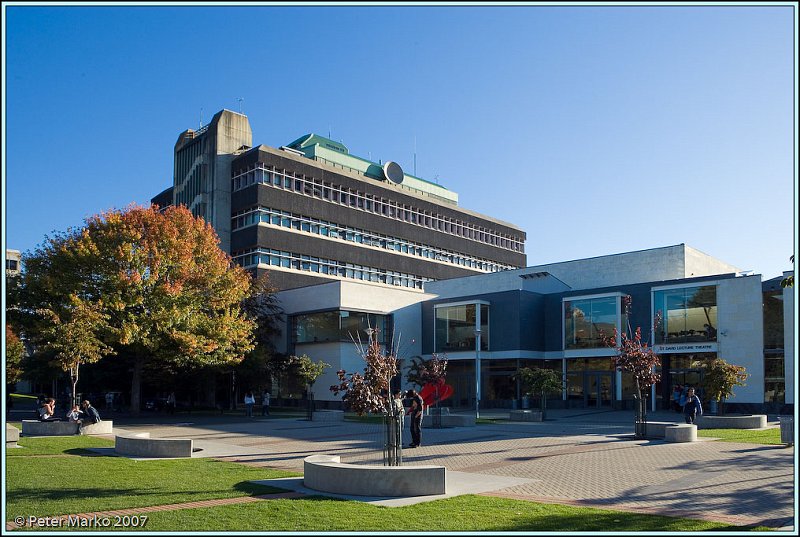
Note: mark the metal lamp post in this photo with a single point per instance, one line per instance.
(477, 373)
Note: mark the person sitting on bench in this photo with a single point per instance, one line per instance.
(89, 414)
(47, 412)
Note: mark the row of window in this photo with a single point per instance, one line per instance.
(331, 267)
(265, 175)
(287, 219)
(341, 325)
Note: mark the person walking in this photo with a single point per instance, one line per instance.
(265, 402)
(676, 398)
(415, 413)
(692, 408)
(249, 401)
(171, 403)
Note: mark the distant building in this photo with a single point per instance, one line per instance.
(310, 212)
(13, 262)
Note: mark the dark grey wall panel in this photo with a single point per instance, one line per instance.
(290, 280)
(286, 200)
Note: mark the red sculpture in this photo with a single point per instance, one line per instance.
(429, 392)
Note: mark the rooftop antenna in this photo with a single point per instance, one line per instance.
(201, 117)
(240, 99)
(329, 133)
(436, 178)
(415, 155)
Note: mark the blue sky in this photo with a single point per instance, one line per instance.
(597, 130)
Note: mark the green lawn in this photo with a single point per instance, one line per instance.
(53, 476)
(749, 436)
(50, 476)
(462, 513)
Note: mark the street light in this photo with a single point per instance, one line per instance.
(477, 373)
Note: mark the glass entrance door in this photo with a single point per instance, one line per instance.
(598, 389)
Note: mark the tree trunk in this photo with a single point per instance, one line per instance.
(544, 405)
(640, 421)
(136, 385)
(73, 373)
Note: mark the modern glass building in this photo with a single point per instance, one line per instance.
(690, 307)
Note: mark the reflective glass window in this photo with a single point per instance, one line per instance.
(455, 328)
(587, 320)
(688, 315)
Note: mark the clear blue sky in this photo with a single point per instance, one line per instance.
(597, 130)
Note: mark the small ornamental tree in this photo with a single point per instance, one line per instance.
(308, 372)
(370, 391)
(636, 357)
(538, 381)
(719, 380)
(74, 337)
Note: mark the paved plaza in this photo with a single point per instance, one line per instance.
(576, 457)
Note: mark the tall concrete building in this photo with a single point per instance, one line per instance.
(310, 212)
(201, 176)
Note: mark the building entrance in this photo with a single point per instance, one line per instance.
(683, 370)
(597, 389)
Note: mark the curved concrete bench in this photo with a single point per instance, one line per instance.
(327, 473)
(525, 415)
(48, 428)
(454, 420)
(12, 436)
(327, 415)
(755, 421)
(681, 432)
(64, 428)
(101, 427)
(141, 445)
(657, 429)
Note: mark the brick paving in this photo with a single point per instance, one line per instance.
(585, 459)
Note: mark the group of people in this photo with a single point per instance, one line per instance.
(685, 400)
(250, 402)
(81, 415)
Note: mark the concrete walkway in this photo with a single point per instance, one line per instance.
(576, 457)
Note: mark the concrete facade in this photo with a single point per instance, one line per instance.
(402, 304)
(202, 169)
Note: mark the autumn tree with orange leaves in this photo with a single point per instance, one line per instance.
(160, 289)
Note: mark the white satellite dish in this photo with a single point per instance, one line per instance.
(393, 172)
